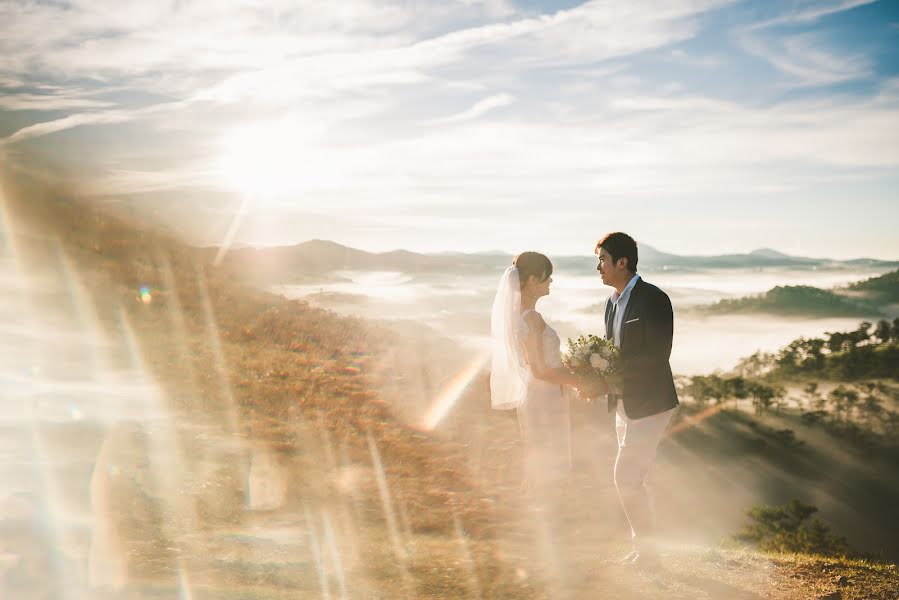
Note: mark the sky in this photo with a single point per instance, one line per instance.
(698, 126)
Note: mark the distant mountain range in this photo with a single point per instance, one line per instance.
(317, 258)
(763, 257)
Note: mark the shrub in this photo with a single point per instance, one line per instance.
(790, 528)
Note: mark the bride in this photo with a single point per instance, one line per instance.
(527, 372)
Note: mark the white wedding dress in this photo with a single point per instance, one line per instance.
(545, 420)
(543, 411)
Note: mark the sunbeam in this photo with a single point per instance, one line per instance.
(387, 503)
(694, 420)
(450, 393)
(228, 240)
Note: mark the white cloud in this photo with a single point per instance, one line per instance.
(804, 58)
(126, 181)
(811, 11)
(587, 122)
(108, 117)
(244, 58)
(681, 56)
(48, 102)
(479, 109)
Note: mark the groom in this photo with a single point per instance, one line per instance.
(640, 321)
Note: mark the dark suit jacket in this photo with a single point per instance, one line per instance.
(646, 333)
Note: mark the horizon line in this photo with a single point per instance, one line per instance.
(496, 251)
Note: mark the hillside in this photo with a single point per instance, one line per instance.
(796, 301)
(884, 289)
(317, 260)
(274, 381)
(358, 499)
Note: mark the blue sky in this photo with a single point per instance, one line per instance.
(700, 126)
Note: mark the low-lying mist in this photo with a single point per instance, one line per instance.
(458, 305)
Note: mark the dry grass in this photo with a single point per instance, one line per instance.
(312, 387)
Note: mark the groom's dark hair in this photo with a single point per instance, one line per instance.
(620, 245)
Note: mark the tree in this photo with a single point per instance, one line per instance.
(788, 528)
(871, 404)
(843, 400)
(835, 341)
(837, 402)
(699, 391)
(762, 396)
(851, 402)
(755, 365)
(859, 336)
(883, 331)
(736, 388)
(814, 357)
(815, 399)
(789, 357)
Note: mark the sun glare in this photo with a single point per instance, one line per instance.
(269, 160)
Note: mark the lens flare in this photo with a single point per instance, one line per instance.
(694, 420)
(452, 391)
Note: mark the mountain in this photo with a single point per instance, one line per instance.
(316, 259)
(650, 258)
(796, 300)
(868, 298)
(769, 253)
(884, 288)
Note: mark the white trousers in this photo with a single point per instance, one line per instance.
(638, 440)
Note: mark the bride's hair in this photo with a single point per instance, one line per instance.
(532, 263)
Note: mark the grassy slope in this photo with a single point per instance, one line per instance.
(291, 368)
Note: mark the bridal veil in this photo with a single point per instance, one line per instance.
(508, 373)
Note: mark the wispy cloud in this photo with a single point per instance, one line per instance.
(480, 108)
(107, 117)
(810, 12)
(337, 54)
(43, 102)
(542, 111)
(804, 58)
(681, 56)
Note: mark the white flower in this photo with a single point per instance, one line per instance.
(604, 352)
(598, 362)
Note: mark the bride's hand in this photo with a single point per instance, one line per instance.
(592, 391)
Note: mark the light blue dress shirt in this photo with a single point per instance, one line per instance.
(620, 302)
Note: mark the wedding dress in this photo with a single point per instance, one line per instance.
(543, 410)
(544, 418)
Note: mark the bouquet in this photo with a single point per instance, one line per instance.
(594, 360)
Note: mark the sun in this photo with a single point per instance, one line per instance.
(270, 161)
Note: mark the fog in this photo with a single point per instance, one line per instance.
(458, 305)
